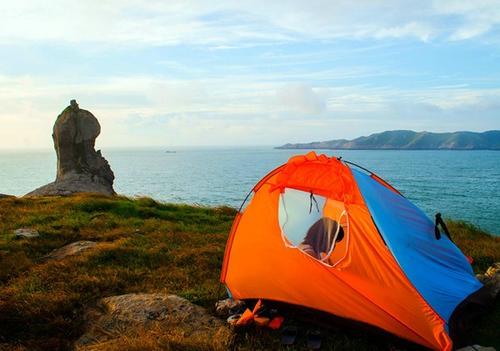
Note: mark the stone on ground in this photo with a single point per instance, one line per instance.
(491, 278)
(71, 249)
(26, 233)
(476, 348)
(158, 321)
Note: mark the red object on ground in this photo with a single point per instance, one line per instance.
(276, 322)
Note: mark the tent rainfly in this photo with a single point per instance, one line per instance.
(322, 234)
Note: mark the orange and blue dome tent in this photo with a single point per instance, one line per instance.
(323, 234)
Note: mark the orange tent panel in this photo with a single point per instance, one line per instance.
(367, 285)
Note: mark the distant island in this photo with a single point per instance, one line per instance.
(410, 140)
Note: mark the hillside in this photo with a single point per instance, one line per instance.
(143, 246)
(410, 140)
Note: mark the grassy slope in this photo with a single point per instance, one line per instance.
(144, 246)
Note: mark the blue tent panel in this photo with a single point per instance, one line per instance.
(436, 268)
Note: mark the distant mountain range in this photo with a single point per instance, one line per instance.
(410, 140)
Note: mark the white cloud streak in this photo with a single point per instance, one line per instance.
(226, 23)
(140, 111)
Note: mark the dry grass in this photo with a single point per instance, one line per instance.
(143, 246)
(157, 338)
(484, 248)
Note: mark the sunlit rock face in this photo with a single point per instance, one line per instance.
(80, 168)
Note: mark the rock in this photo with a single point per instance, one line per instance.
(71, 249)
(228, 307)
(476, 348)
(166, 320)
(80, 168)
(26, 233)
(492, 271)
(491, 279)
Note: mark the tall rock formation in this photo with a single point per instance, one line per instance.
(80, 168)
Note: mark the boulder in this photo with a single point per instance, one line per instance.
(26, 233)
(80, 168)
(491, 279)
(71, 249)
(157, 320)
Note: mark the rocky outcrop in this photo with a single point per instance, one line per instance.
(155, 320)
(71, 249)
(26, 233)
(80, 168)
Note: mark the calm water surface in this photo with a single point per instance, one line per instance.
(459, 184)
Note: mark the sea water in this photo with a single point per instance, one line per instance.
(460, 184)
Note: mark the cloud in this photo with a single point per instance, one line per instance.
(226, 24)
(300, 99)
(144, 110)
(474, 18)
(424, 32)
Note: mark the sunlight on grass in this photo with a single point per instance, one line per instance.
(142, 246)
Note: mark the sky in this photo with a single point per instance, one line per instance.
(192, 73)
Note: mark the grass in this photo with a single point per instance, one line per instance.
(143, 246)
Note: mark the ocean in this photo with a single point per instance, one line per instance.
(461, 185)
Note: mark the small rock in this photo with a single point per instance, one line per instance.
(166, 319)
(71, 249)
(26, 233)
(228, 307)
(476, 348)
(493, 270)
(491, 279)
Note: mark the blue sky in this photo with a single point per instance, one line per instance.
(166, 73)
